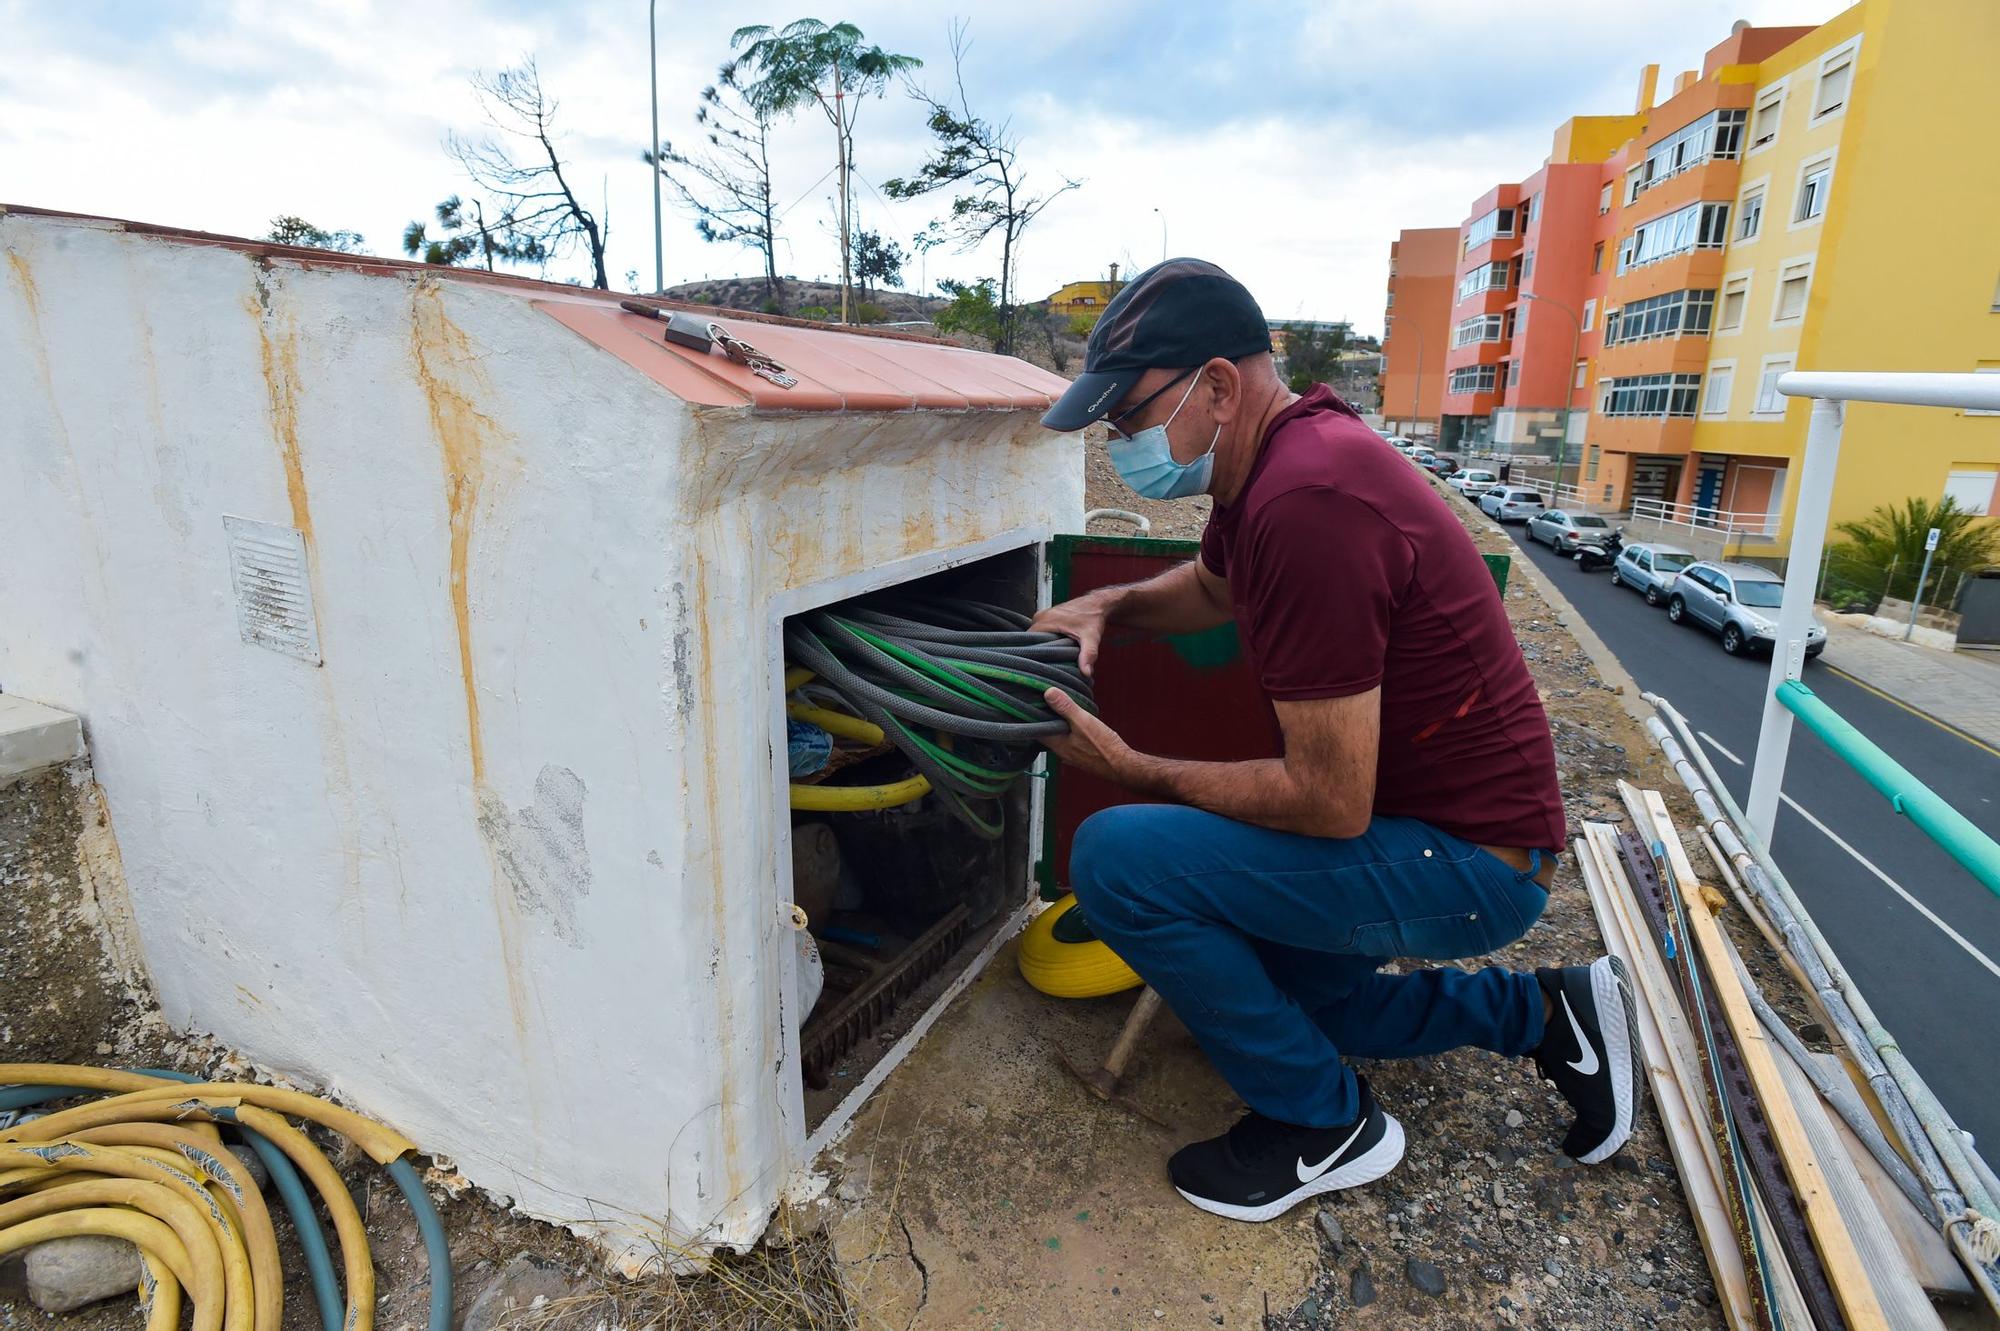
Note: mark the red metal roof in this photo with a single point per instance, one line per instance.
(838, 369)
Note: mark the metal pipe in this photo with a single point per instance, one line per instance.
(1974, 392)
(1788, 652)
(1952, 830)
(653, 56)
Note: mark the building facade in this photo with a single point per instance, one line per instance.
(1422, 267)
(1082, 302)
(1808, 199)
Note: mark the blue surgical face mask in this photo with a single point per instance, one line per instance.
(1145, 461)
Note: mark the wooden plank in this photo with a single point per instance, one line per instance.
(1844, 1268)
(1688, 1140)
(1903, 1299)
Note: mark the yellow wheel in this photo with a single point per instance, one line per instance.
(1062, 957)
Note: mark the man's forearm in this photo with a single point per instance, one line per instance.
(1174, 602)
(1260, 791)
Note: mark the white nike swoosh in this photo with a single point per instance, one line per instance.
(1587, 1065)
(1307, 1173)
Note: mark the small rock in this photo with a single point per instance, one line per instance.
(1670, 1304)
(1499, 1193)
(1361, 1290)
(1329, 1225)
(1642, 1280)
(66, 1274)
(853, 1185)
(1310, 1308)
(517, 1285)
(1425, 1276)
(1553, 1267)
(1515, 1118)
(1494, 1274)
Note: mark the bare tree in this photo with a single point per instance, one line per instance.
(980, 158)
(727, 185)
(535, 195)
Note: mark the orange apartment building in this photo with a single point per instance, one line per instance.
(1423, 267)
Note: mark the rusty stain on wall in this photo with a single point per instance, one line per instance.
(280, 360)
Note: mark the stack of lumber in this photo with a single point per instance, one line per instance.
(1801, 1225)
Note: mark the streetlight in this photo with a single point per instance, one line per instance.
(1163, 234)
(653, 55)
(1417, 389)
(1569, 390)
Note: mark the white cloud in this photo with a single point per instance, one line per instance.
(1290, 149)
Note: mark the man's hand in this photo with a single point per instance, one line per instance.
(1090, 746)
(1082, 619)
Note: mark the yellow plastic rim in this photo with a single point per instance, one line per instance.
(1071, 970)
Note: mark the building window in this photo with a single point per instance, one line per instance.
(1513, 373)
(1633, 178)
(1479, 328)
(1721, 380)
(1750, 216)
(1770, 402)
(1582, 378)
(1604, 200)
(1499, 222)
(1971, 488)
(1471, 379)
(1486, 277)
(1590, 465)
(1652, 395)
(1589, 313)
(1527, 213)
(1597, 266)
(1735, 298)
(1814, 180)
(1836, 81)
(1717, 135)
(1697, 226)
(1527, 265)
(1794, 281)
(1764, 119)
(1673, 314)
(1511, 314)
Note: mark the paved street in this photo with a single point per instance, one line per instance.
(1920, 935)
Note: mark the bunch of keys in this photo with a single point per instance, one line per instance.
(748, 356)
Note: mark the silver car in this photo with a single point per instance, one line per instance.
(1563, 532)
(1739, 601)
(1507, 504)
(1649, 569)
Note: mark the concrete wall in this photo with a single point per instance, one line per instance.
(503, 870)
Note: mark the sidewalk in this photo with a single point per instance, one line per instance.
(1961, 689)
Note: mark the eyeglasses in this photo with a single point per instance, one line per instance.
(1115, 423)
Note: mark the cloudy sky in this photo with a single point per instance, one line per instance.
(1287, 141)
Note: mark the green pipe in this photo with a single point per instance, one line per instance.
(1979, 853)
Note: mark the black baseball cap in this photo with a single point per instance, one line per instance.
(1176, 314)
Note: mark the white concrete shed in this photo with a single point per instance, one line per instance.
(425, 628)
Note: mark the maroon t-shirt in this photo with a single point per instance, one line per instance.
(1347, 571)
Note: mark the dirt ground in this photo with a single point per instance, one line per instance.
(981, 1186)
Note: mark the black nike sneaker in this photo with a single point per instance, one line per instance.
(1262, 1168)
(1590, 1050)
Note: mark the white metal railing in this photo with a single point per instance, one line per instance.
(1831, 392)
(1706, 519)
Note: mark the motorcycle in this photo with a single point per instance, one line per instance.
(1590, 558)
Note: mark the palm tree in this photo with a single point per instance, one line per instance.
(1893, 536)
(810, 62)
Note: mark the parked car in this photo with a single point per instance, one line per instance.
(1399, 443)
(1649, 569)
(1421, 454)
(1441, 464)
(1508, 504)
(1738, 601)
(1473, 481)
(1563, 531)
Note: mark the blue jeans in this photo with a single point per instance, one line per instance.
(1267, 944)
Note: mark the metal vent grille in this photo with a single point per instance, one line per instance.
(274, 608)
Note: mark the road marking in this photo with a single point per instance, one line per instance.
(1716, 744)
(1946, 726)
(1896, 887)
(1869, 865)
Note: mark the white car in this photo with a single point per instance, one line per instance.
(1399, 443)
(1506, 504)
(1472, 482)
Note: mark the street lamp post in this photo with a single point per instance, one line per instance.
(1163, 234)
(653, 56)
(1417, 389)
(1569, 391)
